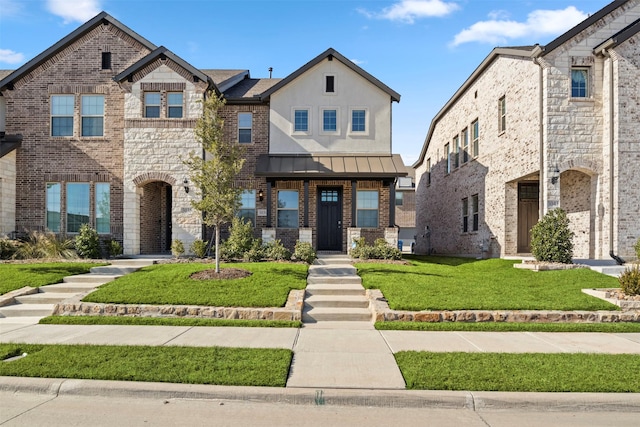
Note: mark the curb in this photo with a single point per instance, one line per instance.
(474, 401)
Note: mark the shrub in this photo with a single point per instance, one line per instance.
(88, 242)
(380, 250)
(636, 247)
(359, 248)
(551, 238)
(240, 240)
(114, 248)
(630, 280)
(276, 251)
(177, 248)
(255, 253)
(303, 251)
(199, 248)
(8, 248)
(44, 245)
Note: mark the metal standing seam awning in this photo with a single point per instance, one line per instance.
(330, 167)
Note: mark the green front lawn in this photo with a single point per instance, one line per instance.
(446, 283)
(189, 365)
(167, 321)
(16, 276)
(268, 286)
(529, 372)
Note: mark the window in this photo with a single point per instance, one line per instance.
(399, 198)
(502, 113)
(174, 105)
(465, 215)
(329, 120)
(429, 171)
(475, 136)
(152, 104)
(248, 206)
(92, 115)
(103, 207)
(301, 121)
(447, 152)
(465, 145)
(106, 60)
(245, 122)
(53, 206)
(474, 211)
(579, 81)
(329, 84)
(288, 209)
(358, 120)
(62, 115)
(456, 152)
(367, 209)
(77, 205)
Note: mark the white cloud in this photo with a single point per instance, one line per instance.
(11, 57)
(539, 23)
(358, 61)
(10, 7)
(407, 11)
(74, 10)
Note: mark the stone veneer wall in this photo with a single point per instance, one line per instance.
(504, 158)
(7, 193)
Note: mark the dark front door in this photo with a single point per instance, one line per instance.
(330, 219)
(528, 197)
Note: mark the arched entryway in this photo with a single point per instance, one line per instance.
(155, 218)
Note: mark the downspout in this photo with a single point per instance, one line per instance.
(612, 254)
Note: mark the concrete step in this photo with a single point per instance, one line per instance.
(25, 320)
(89, 278)
(69, 288)
(334, 289)
(332, 270)
(337, 301)
(341, 260)
(334, 280)
(27, 310)
(326, 314)
(43, 298)
(111, 270)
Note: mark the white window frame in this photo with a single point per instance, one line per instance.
(475, 138)
(91, 116)
(293, 121)
(359, 208)
(250, 128)
(170, 106)
(53, 116)
(148, 104)
(103, 215)
(587, 88)
(280, 209)
(475, 212)
(250, 197)
(447, 153)
(465, 146)
(364, 132)
(321, 121)
(502, 114)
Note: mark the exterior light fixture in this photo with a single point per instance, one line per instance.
(185, 183)
(260, 195)
(555, 175)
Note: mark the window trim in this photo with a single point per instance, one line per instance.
(447, 153)
(294, 110)
(279, 209)
(147, 104)
(52, 115)
(502, 114)
(364, 132)
(58, 202)
(250, 128)
(399, 198)
(83, 116)
(456, 152)
(376, 209)
(465, 215)
(250, 195)
(97, 202)
(67, 206)
(475, 138)
(465, 145)
(587, 84)
(321, 121)
(475, 211)
(170, 106)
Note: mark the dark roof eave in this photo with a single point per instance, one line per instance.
(70, 38)
(325, 175)
(251, 100)
(9, 143)
(618, 38)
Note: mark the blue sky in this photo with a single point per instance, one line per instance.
(423, 49)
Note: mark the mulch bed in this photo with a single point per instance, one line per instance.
(225, 274)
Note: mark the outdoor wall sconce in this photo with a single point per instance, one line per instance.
(260, 195)
(186, 185)
(555, 176)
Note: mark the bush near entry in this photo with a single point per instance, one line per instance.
(551, 238)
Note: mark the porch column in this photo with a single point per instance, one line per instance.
(306, 203)
(354, 195)
(392, 203)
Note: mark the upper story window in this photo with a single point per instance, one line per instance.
(245, 123)
(475, 209)
(579, 82)
(106, 60)
(367, 208)
(358, 120)
(174, 105)
(92, 110)
(475, 138)
(399, 198)
(62, 115)
(502, 114)
(329, 120)
(152, 102)
(301, 120)
(429, 171)
(288, 209)
(248, 206)
(329, 83)
(465, 214)
(447, 153)
(465, 145)
(456, 152)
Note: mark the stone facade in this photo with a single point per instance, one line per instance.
(7, 194)
(581, 153)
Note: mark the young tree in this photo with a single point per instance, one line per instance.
(214, 175)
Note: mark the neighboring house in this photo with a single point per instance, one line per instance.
(535, 128)
(406, 210)
(105, 119)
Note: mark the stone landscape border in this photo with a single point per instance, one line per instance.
(291, 311)
(382, 313)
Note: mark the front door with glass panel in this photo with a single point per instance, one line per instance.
(330, 219)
